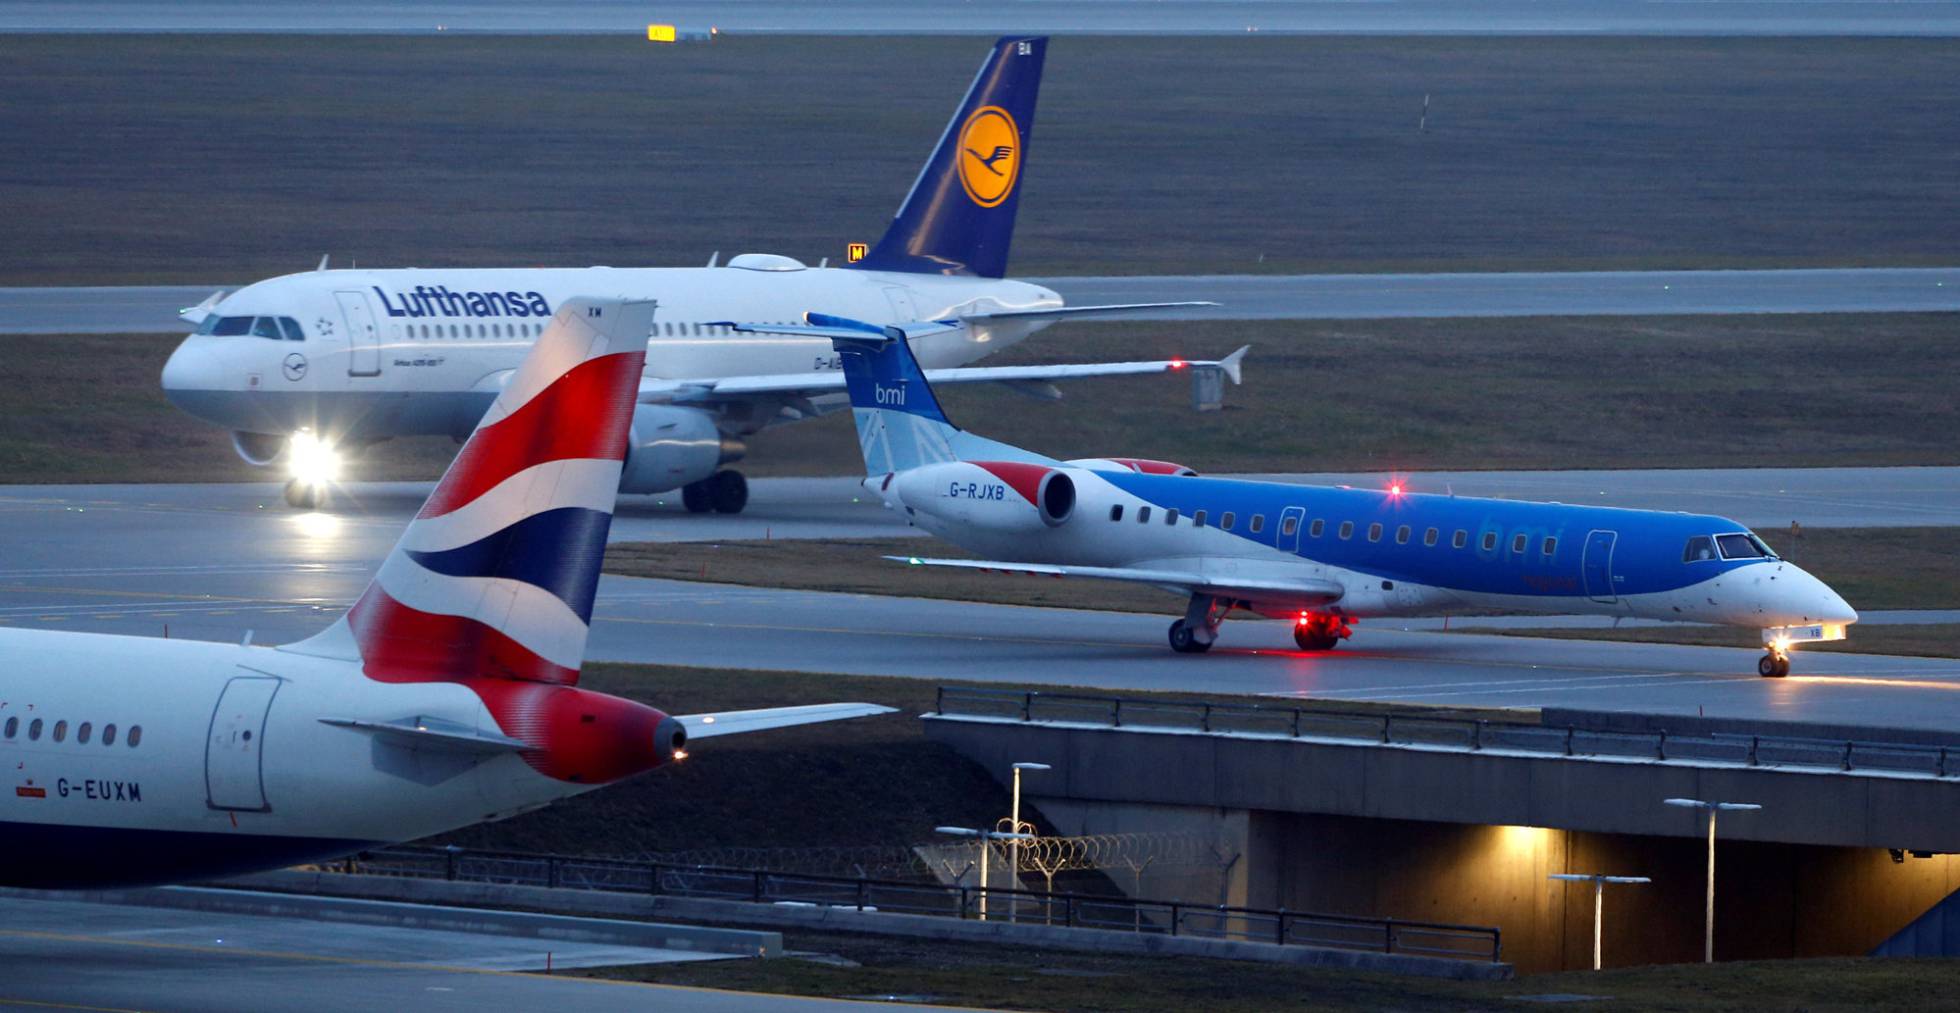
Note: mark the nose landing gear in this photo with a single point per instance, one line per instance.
(1773, 665)
(1316, 632)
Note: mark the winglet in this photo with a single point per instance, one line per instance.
(1232, 364)
(196, 314)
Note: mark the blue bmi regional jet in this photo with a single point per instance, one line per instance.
(1322, 557)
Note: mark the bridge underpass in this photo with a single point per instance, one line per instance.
(1445, 819)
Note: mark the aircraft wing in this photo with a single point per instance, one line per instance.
(812, 384)
(703, 726)
(1110, 310)
(1304, 591)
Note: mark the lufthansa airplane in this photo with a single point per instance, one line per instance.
(304, 366)
(446, 696)
(1321, 557)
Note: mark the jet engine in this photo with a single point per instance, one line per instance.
(1140, 465)
(1004, 496)
(670, 447)
(258, 449)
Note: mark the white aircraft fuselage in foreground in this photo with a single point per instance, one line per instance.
(353, 357)
(446, 696)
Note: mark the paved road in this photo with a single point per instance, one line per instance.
(1250, 297)
(946, 17)
(81, 955)
(211, 563)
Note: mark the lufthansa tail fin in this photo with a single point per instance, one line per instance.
(495, 576)
(899, 421)
(959, 216)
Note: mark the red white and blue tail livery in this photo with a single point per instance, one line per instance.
(447, 696)
(1320, 557)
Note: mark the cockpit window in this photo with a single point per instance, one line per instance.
(291, 327)
(227, 327)
(1700, 547)
(267, 327)
(1743, 546)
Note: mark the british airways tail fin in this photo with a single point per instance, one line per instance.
(495, 576)
(899, 421)
(959, 216)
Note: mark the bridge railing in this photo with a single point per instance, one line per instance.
(1473, 734)
(1072, 910)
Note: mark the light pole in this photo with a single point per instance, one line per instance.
(987, 839)
(1708, 941)
(1014, 826)
(1599, 897)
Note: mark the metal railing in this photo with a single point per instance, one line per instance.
(1472, 734)
(1073, 910)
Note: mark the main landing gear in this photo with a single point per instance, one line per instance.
(1198, 630)
(724, 492)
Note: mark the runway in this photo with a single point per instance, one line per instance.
(145, 309)
(74, 954)
(949, 17)
(213, 562)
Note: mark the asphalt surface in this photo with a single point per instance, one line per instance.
(952, 17)
(83, 955)
(135, 309)
(211, 562)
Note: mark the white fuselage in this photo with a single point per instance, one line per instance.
(221, 761)
(406, 352)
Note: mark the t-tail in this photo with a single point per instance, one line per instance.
(496, 575)
(959, 216)
(900, 423)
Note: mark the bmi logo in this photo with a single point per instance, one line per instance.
(894, 396)
(990, 155)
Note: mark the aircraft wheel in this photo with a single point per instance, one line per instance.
(729, 491)
(304, 495)
(695, 497)
(1315, 638)
(1183, 642)
(1769, 666)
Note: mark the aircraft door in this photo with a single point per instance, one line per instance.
(363, 335)
(1290, 520)
(234, 771)
(1598, 566)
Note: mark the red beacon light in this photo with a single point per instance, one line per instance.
(1395, 489)
(1178, 364)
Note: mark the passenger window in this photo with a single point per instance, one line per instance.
(1461, 539)
(34, 730)
(1198, 519)
(232, 327)
(1374, 532)
(1347, 530)
(1550, 546)
(1170, 516)
(1116, 512)
(1402, 535)
(267, 327)
(1317, 528)
(1258, 523)
(135, 736)
(1700, 547)
(13, 725)
(108, 735)
(60, 730)
(1518, 543)
(1289, 525)
(1490, 541)
(1743, 547)
(82, 733)
(1228, 520)
(1429, 537)
(1143, 515)
(291, 327)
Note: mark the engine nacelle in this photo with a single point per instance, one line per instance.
(258, 449)
(1140, 465)
(669, 447)
(1006, 496)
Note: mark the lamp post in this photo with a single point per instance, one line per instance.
(987, 839)
(1599, 897)
(1014, 826)
(1708, 941)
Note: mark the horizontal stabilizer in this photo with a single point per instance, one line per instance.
(1299, 592)
(703, 726)
(1111, 310)
(432, 733)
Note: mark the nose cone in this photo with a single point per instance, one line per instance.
(192, 367)
(1792, 597)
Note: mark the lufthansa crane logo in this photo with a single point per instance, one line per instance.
(990, 155)
(294, 367)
